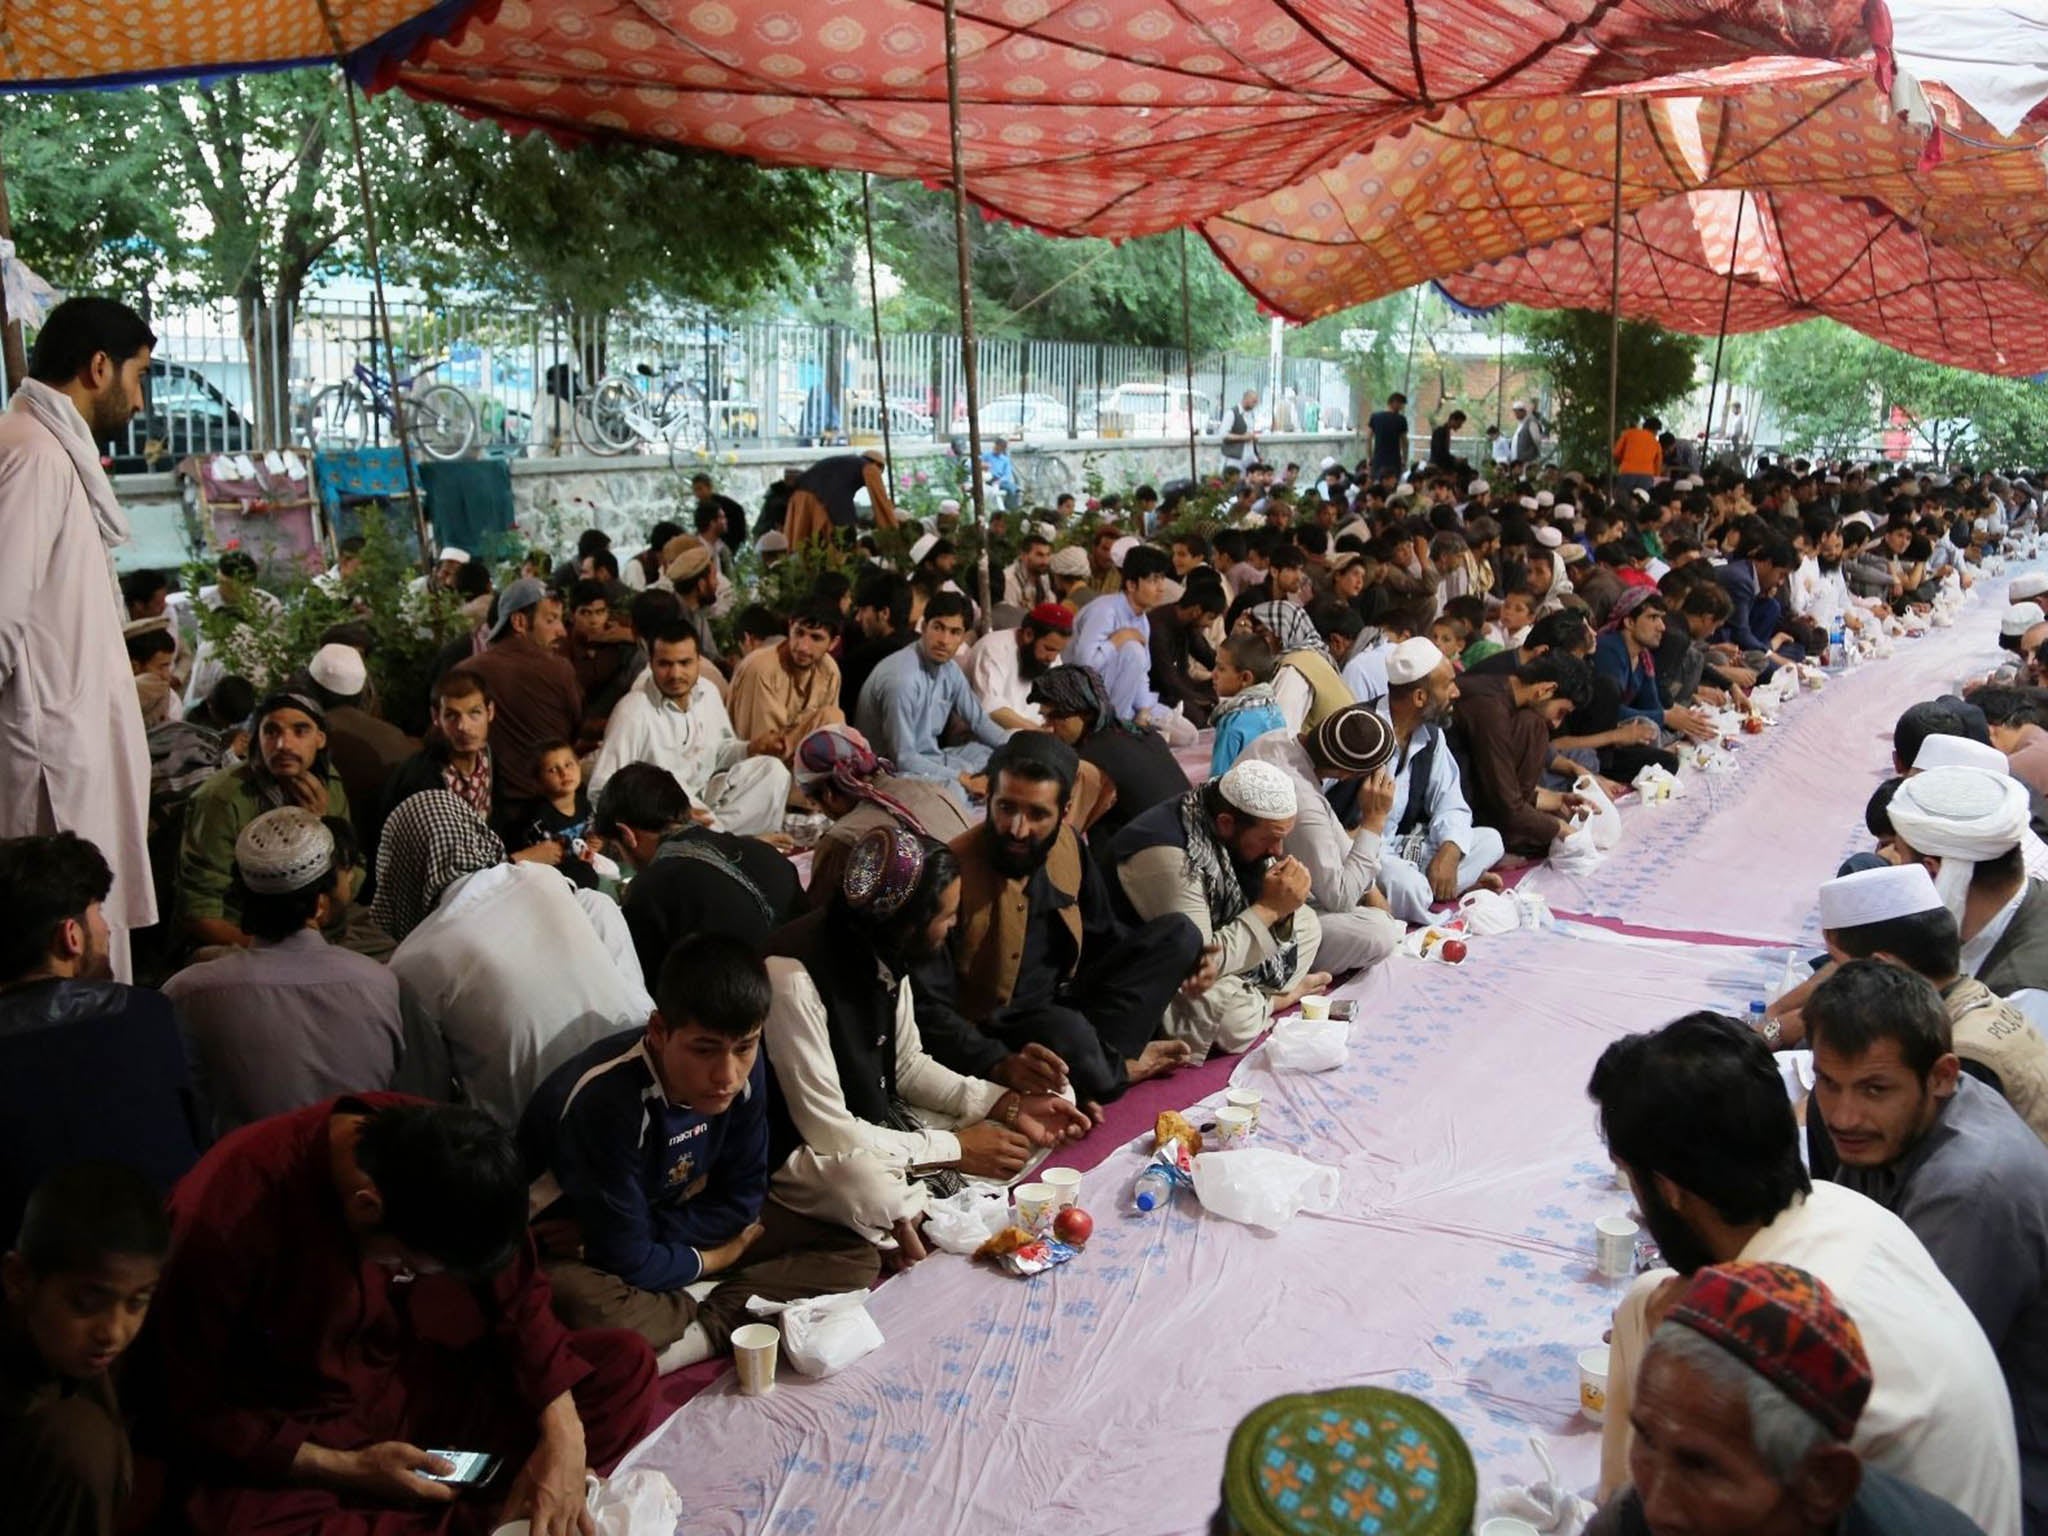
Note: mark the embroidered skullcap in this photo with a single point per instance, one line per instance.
(1481, 487)
(1052, 618)
(1786, 1326)
(1354, 740)
(2027, 584)
(339, 669)
(2018, 619)
(283, 850)
(1549, 538)
(1259, 789)
(1877, 896)
(1071, 561)
(923, 547)
(883, 871)
(1122, 547)
(1412, 660)
(1961, 816)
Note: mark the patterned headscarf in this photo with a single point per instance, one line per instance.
(840, 756)
(1289, 625)
(430, 841)
(1787, 1326)
(1079, 691)
(883, 871)
(1630, 600)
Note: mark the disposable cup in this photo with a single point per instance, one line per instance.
(1315, 1008)
(1233, 1126)
(1615, 1237)
(1246, 1098)
(1065, 1181)
(754, 1346)
(1037, 1204)
(1593, 1383)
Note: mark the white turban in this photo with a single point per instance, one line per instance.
(1961, 816)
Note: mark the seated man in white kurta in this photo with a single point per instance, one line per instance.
(675, 719)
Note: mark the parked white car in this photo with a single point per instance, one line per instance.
(1153, 410)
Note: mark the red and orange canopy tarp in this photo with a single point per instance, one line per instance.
(74, 44)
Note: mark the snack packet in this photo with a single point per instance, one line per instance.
(1017, 1252)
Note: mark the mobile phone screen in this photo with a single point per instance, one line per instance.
(470, 1467)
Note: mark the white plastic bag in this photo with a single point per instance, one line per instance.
(1575, 852)
(1305, 1045)
(825, 1333)
(1262, 1186)
(1603, 820)
(1491, 912)
(961, 1223)
(642, 1502)
(1657, 784)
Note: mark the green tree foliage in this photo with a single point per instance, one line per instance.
(1032, 286)
(1833, 391)
(1572, 346)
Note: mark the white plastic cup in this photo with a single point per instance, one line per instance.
(1233, 1126)
(1037, 1204)
(1246, 1098)
(1315, 1008)
(1615, 1240)
(1066, 1182)
(1593, 1383)
(754, 1347)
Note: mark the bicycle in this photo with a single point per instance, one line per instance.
(440, 419)
(620, 412)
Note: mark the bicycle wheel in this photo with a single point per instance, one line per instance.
(686, 440)
(336, 420)
(605, 417)
(441, 421)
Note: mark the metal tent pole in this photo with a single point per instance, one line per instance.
(1614, 309)
(1187, 354)
(1721, 337)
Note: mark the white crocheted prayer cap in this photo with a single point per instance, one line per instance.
(1961, 816)
(1413, 660)
(283, 850)
(2018, 619)
(2027, 584)
(1259, 789)
(1877, 896)
(1949, 751)
(1549, 537)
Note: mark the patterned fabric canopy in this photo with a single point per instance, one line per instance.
(62, 45)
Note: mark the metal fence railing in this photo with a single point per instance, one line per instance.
(517, 380)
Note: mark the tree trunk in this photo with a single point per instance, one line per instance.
(266, 331)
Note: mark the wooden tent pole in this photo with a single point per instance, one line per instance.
(1721, 337)
(964, 253)
(1614, 309)
(15, 352)
(867, 221)
(1187, 355)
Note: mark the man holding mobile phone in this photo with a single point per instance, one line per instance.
(353, 1282)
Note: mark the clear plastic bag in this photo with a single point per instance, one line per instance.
(1263, 1186)
(1303, 1045)
(824, 1334)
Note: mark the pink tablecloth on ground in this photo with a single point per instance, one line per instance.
(1100, 1397)
(1744, 853)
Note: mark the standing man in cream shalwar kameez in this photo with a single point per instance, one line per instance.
(72, 757)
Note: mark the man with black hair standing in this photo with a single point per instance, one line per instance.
(1696, 1117)
(351, 1290)
(71, 740)
(1948, 1156)
(649, 1155)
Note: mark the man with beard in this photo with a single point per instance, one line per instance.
(911, 698)
(535, 698)
(1043, 985)
(1950, 1158)
(1696, 1117)
(1004, 663)
(71, 739)
(1435, 852)
(783, 692)
(1218, 856)
(865, 1127)
(1817, 590)
(288, 767)
(674, 718)
(1135, 762)
(90, 1070)
(1027, 580)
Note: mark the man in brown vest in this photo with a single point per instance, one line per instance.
(1042, 987)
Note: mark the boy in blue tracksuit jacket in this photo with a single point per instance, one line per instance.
(649, 1156)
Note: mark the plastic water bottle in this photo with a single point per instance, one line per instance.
(1838, 644)
(1757, 1018)
(1152, 1189)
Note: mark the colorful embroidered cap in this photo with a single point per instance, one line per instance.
(1357, 1459)
(1785, 1325)
(883, 871)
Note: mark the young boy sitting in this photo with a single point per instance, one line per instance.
(649, 1155)
(562, 815)
(78, 1284)
(1245, 705)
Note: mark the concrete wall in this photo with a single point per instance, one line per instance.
(554, 499)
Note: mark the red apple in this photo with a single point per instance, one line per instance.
(1453, 951)
(1073, 1226)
